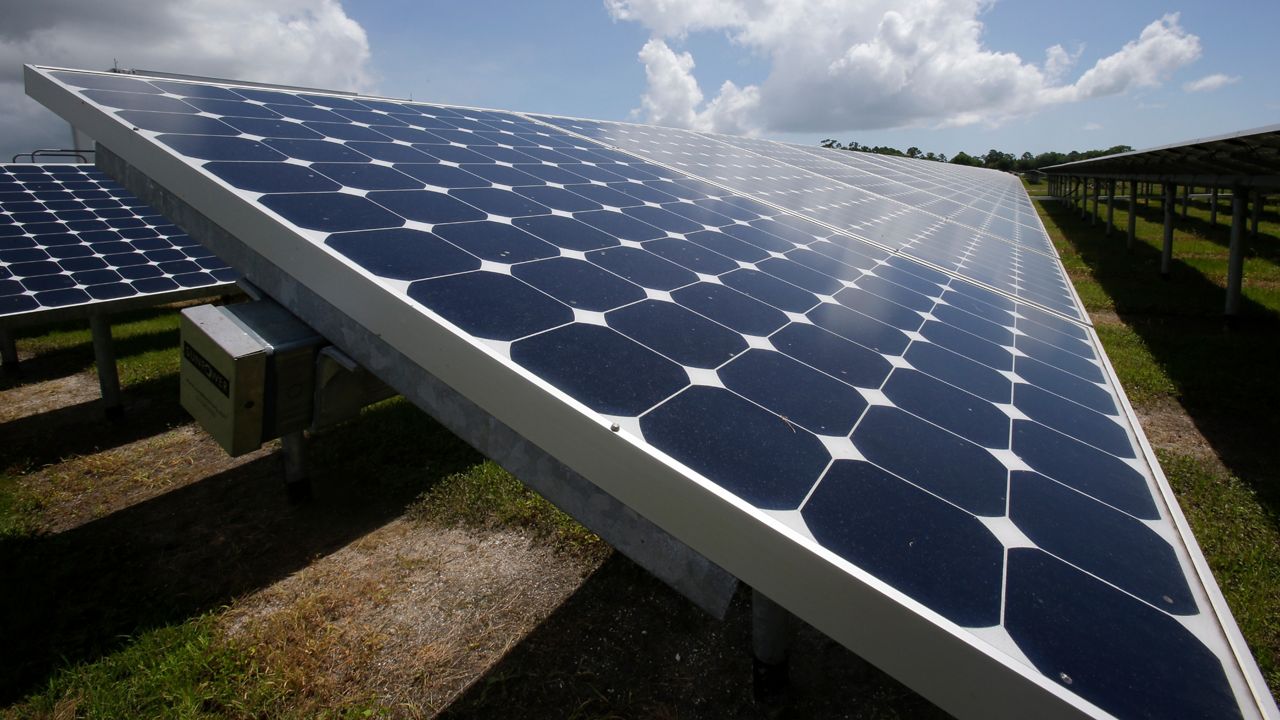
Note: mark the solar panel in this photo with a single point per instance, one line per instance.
(821, 189)
(73, 239)
(941, 476)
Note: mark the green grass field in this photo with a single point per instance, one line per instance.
(1165, 338)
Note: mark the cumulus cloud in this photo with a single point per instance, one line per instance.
(299, 42)
(837, 65)
(1211, 82)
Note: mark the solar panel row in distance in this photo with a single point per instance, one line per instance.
(941, 476)
(73, 240)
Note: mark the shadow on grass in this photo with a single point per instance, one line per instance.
(70, 359)
(626, 645)
(72, 596)
(1225, 378)
(42, 438)
(1219, 233)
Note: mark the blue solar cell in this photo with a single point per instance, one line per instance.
(271, 177)
(496, 242)
(332, 212)
(1086, 533)
(442, 176)
(305, 112)
(694, 257)
(424, 206)
(796, 392)
(195, 90)
(168, 122)
(231, 110)
(1125, 656)
(1087, 469)
(951, 408)
(491, 305)
(579, 284)
(215, 147)
(940, 462)
(620, 226)
(367, 177)
(572, 358)
(390, 152)
(731, 308)
(931, 550)
(139, 101)
(309, 150)
(270, 128)
(683, 336)
(1101, 431)
(495, 201)
(451, 153)
(565, 232)
(759, 456)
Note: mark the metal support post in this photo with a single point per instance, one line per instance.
(1258, 201)
(1186, 200)
(297, 483)
(8, 353)
(1097, 195)
(1213, 207)
(1133, 215)
(1235, 257)
(1111, 205)
(1166, 255)
(770, 646)
(104, 357)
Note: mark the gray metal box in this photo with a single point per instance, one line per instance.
(247, 372)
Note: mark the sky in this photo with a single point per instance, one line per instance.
(940, 75)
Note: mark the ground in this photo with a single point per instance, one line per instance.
(147, 574)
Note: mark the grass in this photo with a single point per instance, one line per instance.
(182, 671)
(485, 495)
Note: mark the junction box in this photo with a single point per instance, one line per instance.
(247, 372)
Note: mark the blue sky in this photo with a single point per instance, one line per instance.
(572, 58)
(583, 58)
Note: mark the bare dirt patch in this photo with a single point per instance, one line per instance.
(1168, 427)
(406, 617)
(38, 397)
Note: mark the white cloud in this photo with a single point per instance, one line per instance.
(1211, 82)
(837, 65)
(300, 42)
(1092, 126)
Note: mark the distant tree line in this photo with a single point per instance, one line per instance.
(993, 159)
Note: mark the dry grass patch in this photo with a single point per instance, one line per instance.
(404, 619)
(86, 487)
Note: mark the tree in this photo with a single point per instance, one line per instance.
(964, 158)
(913, 152)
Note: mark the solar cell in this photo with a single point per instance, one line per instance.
(70, 238)
(872, 441)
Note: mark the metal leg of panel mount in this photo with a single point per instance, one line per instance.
(770, 645)
(297, 483)
(104, 356)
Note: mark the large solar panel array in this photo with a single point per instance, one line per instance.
(70, 237)
(960, 451)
